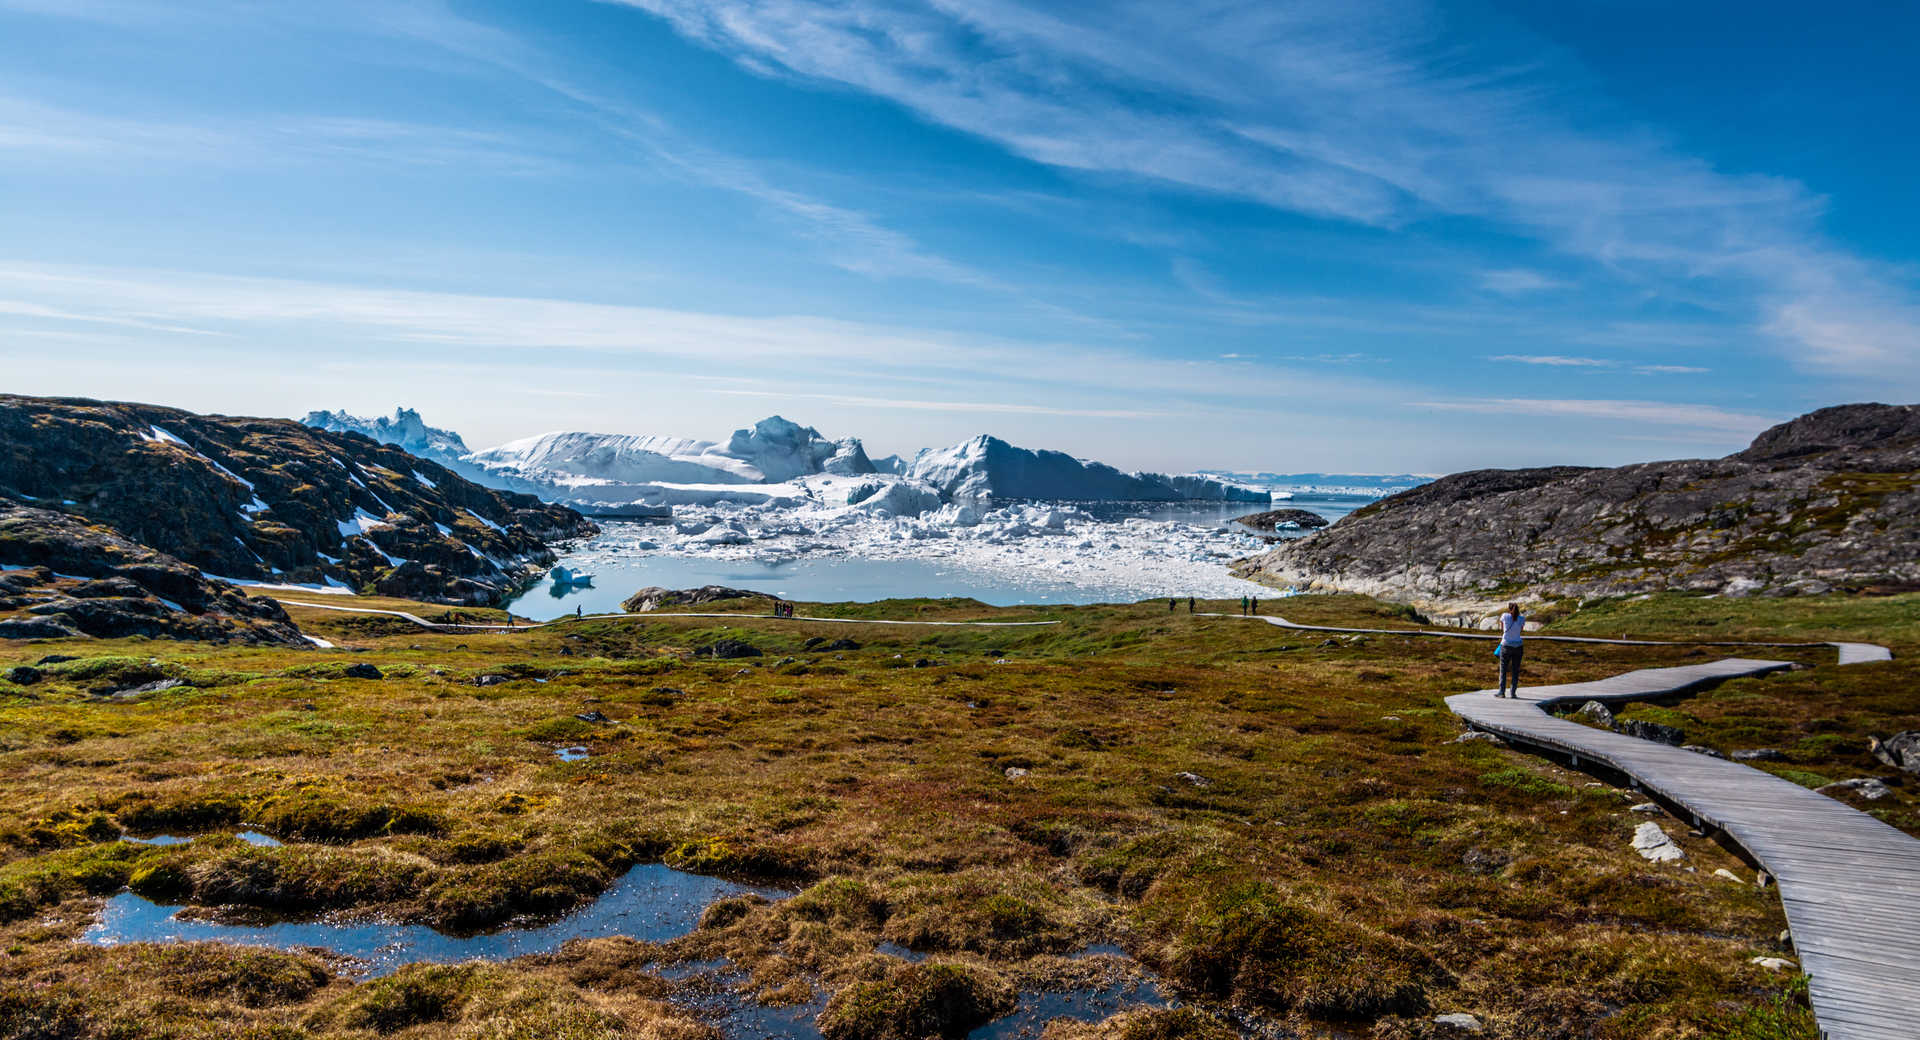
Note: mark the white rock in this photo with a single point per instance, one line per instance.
(1727, 875)
(1774, 963)
(1015, 772)
(1458, 1020)
(1653, 844)
(1644, 807)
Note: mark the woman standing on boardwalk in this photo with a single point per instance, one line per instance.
(1513, 626)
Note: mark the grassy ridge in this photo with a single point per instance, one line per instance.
(1275, 819)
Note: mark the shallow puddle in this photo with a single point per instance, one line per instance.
(653, 903)
(570, 754)
(250, 837)
(1088, 1004)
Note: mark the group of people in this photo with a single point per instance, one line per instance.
(782, 609)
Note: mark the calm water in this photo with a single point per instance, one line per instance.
(841, 579)
(652, 902)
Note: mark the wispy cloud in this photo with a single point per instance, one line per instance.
(1349, 112)
(1655, 413)
(824, 348)
(1553, 359)
(1562, 361)
(961, 407)
(1519, 280)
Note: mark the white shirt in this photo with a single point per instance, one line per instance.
(1511, 627)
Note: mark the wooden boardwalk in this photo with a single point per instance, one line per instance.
(1850, 884)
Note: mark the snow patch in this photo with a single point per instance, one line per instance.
(360, 523)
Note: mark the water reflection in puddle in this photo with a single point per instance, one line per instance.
(570, 754)
(250, 837)
(1088, 1004)
(653, 903)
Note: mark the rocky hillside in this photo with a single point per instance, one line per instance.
(273, 500)
(65, 577)
(1828, 500)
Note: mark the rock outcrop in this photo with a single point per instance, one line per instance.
(273, 500)
(653, 597)
(1276, 519)
(72, 578)
(1828, 500)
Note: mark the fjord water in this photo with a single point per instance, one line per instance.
(620, 567)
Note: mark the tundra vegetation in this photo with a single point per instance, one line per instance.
(1280, 826)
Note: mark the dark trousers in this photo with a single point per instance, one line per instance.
(1510, 667)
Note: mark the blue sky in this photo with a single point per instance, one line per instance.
(1370, 236)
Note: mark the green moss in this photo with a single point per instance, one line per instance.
(1518, 778)
(1251, 944)
(416, 995)
(916, 1002)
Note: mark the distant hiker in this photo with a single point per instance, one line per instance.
(1189, 604)
(1255, 604)
(1243, 606)
(578, 611)
(1513, 625)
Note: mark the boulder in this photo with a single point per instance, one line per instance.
(362, 670)
(1458, 1020)
(1901, 751)
(728, 650)
(1865, 786)
(1759, 754)
(1702, 749)
(24, 675)
(1192, 779)
(1653, 731)
(1654, 845)
(1595, 713)
(37, 628)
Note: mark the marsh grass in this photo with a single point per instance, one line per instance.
(1331, 861)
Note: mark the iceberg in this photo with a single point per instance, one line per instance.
(987, 469)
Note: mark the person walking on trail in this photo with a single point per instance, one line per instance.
(1255, 603)
(1512, 648)
(578, 611)
(1189, 604)
(1243, 606)
(1170, 603)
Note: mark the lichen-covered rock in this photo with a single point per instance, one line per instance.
(653, 597)
(274, 500)
(1829, 500)
(1901, 751)
(1652, 843)
(126, 589)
